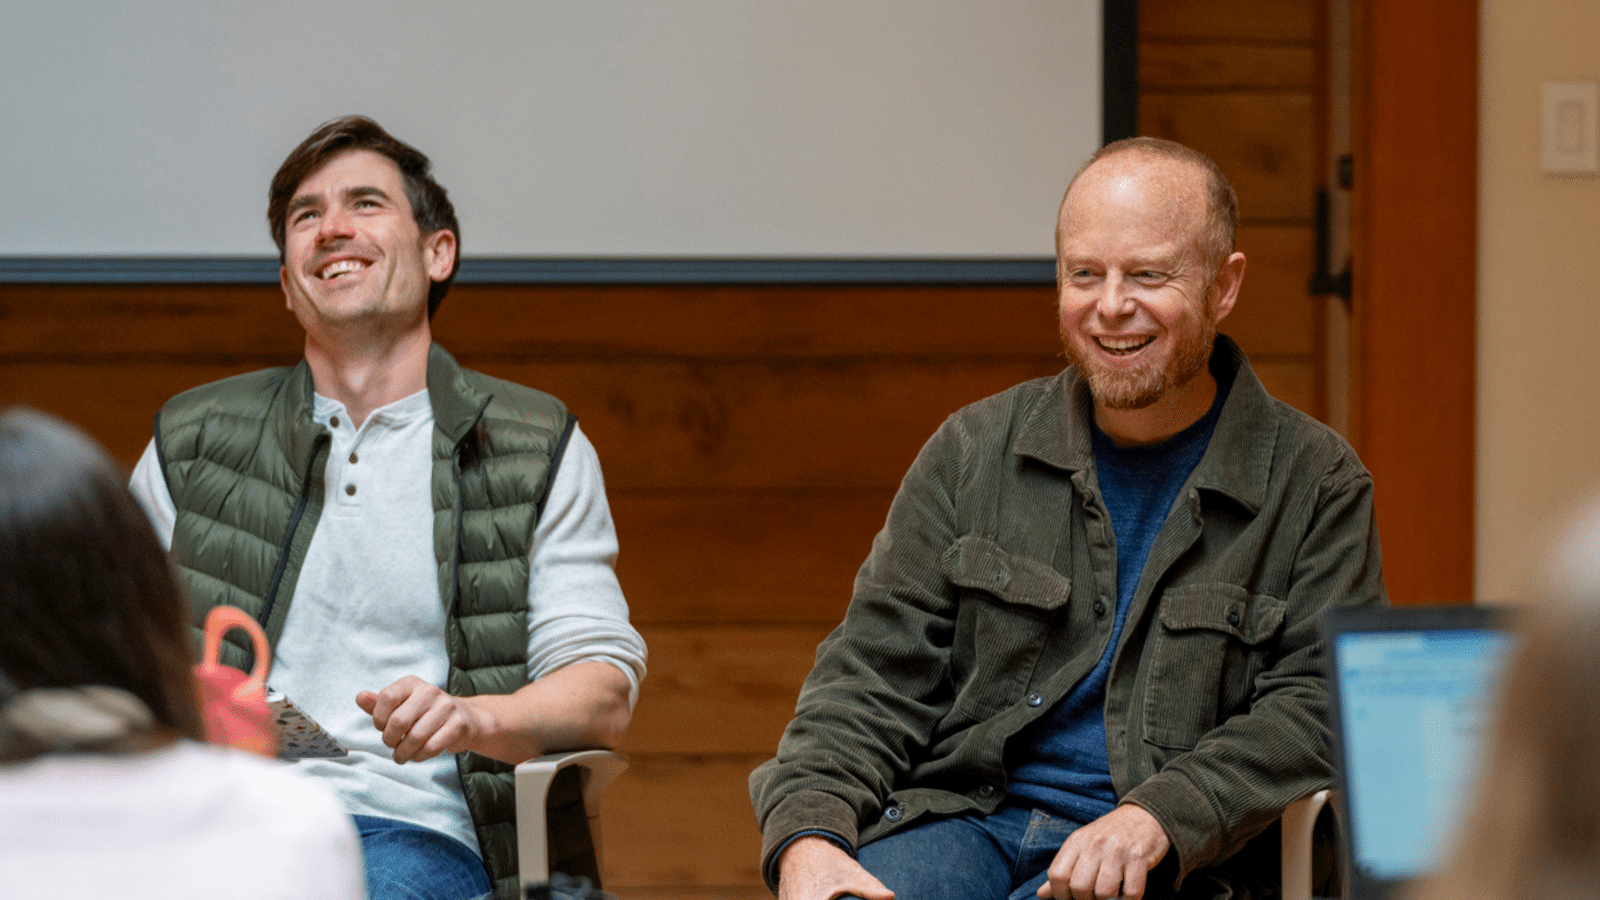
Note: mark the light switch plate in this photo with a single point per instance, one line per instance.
(1571, 127)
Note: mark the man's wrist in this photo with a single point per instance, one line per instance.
(775, 863)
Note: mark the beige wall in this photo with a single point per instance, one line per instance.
(1539, 292)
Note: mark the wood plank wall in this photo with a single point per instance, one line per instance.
(751, 437)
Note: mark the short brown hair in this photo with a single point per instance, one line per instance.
(430, 202)
(87, 596)
(1222, 204)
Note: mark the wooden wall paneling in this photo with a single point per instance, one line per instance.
(114, 401)
(1224, 21)
(681, 820)
(1272, 315)
(792, 424)
(522, 322)
(159, 321)
(762, 322)
(1179, 67)
(1415, 315)
(1262, 141)
(746, 557)
(721, 688)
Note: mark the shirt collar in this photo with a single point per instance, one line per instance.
(1237, 462)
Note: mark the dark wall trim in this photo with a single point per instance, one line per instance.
(1119, 73)
(264, 270)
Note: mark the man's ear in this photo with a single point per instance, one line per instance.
(1225, 287)
(283, 285)
(439, 253)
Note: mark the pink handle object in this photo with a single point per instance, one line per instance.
(234, 705)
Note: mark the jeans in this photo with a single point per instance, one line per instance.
(409, 862)
(1002, 856)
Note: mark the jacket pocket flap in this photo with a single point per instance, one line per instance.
(1228, 608)
(980, 564)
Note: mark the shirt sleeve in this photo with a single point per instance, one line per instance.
(576, 612)
(149, 487)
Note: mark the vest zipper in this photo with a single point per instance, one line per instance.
(294, 525)
(455, 552)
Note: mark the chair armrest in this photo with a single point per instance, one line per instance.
(1299, 820)
(599, 768)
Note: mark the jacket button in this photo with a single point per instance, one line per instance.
(1233, 617)
(892, 814)
(986, 791)
(1099, 606)
(1035, 699)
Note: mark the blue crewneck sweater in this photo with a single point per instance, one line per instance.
(1059, 763)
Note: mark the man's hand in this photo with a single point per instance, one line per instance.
(1108, 857)
(814, 868)
(578, 707)
(420, 721)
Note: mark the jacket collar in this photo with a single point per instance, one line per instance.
(295, 415)
(1056, 431)
(457, 406)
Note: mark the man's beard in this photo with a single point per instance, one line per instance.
(1142, 386)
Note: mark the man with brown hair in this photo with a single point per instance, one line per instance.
(429, 549)
(1082, 659)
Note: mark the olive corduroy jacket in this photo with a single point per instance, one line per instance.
(990, 592)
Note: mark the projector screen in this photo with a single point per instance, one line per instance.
(592, 130)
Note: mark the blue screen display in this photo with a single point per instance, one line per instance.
(1414, 709)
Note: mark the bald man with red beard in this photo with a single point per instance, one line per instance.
(1082, 660)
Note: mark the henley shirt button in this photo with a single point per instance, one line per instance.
(353, 459)
(892, 814)
(1035, 700)
(334, 421)
(350, 489)
(1233, 617)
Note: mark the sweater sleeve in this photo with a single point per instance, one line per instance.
(576, 611)
(149, 487)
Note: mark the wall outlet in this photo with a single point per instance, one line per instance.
(1571, 127)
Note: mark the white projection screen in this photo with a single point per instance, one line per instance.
(578, 130)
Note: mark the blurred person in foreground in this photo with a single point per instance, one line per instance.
(1533, 829)
(105, 786)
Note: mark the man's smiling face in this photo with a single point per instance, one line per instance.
(353, 255)
(1133, 282)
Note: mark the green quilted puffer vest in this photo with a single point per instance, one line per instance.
(244, 461)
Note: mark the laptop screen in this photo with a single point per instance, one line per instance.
(1413, 709)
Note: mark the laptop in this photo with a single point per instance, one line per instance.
(1413, 690)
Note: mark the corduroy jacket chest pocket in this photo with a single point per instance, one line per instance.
(1213, 641)
(1005, 606)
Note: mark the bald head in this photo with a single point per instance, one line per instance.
(1189, 181)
